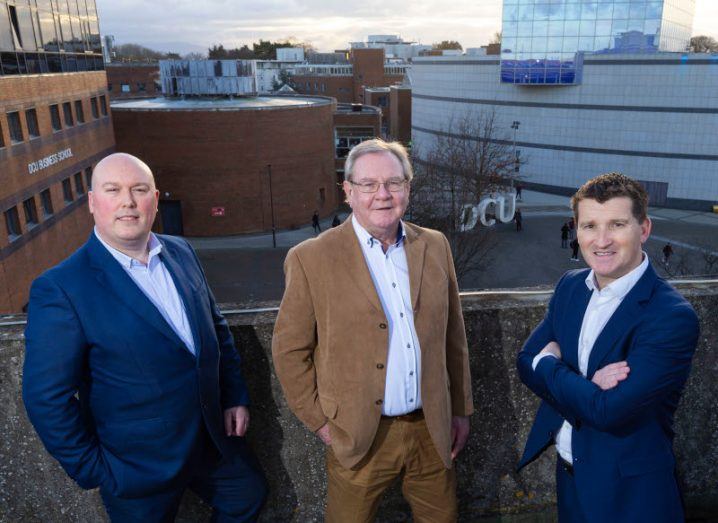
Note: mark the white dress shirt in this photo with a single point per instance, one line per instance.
(155, 281)
(390, 273)
(602, 305)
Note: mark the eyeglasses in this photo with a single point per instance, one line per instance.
(395, 185)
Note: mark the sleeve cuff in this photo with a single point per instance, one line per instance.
(539, 357)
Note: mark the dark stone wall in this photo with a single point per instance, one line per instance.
(34, 488)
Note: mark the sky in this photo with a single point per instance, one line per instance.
(194, 25)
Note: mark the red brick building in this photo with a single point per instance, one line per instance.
(344, 82)
(54, 127)
(400, 111)
(133, 80)
(212, 160)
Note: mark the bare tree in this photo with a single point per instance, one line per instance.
(468, 160)
(704, 44)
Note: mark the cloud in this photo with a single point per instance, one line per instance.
(326, 24)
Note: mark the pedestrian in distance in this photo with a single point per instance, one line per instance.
(336, 221)
(564, 235)
(574, 246)
(519, 220)
(571, 229)
(519, 188)
(667, 253)
(315, 223)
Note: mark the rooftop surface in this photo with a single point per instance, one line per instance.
(218, 104)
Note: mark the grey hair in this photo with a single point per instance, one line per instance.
(377, 145)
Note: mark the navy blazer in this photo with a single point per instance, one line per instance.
(113, 392)
(624, 466)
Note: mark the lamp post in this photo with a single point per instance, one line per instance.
(271, 206)
(515, 126)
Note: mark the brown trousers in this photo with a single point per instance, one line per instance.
(402, 444)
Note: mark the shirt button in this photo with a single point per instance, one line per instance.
(382, 325)
(411, 400)
(401, 314)
(408, 345)
(379, 402)
(379, 365)
(411, 373)
(393, 284)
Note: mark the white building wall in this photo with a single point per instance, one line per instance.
(673, 139)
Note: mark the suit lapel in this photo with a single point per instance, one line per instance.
(622, 319)
(113, 277)
(415, 249)
(577, 304)
(357, 269)
(188, 294)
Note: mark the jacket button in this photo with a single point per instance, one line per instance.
(379, 365)
(382, 325)
(379, 402)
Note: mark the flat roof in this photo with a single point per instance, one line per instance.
(219, 104)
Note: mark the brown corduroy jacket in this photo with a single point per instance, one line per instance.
(331, 339)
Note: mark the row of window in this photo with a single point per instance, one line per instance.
(15, 129)
(12, 63)
(140, 87)
(29, 206)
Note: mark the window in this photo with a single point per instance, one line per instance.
(55, 118)
(2, 140)
(13, 121)
(103, 105)
(46, 200)
(67, 112)
(109, 87)
(30, 212)
(93, 106)
(88, 178)
(141, 86)
(79, 184)
(125, 88)
(12, 222)
(67, 190)
(32, 127)
(79, 111)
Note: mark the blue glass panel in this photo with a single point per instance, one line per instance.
(620, 11)
(541, 12)
(555, 44)
(526, 12)
(557, 12)
(635, 24)
(588, 11)
(654, 9)
(573, 11)
(539, 46)
(540, 29)
(525, 28)
(585, 43)
(511, 13)
(651, 26)
(570, 44)
(587, 28)
(605, 11)
(508, 44)
(555, 28)
(510, 29)
(602, 43)
(637, 11)
(571, 28)
(603, 28)
(523, 44)
(619, 26)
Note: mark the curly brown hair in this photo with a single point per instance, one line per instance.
(613, 185)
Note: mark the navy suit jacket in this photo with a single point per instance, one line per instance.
(114, 394)
(622, 437)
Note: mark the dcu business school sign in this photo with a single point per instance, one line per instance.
(43, 163)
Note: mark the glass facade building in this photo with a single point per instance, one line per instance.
(543, 40)
(49, 36)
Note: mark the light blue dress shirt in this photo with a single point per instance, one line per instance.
(155, 281)
(390, 273)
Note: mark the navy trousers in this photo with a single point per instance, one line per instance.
(235, 488)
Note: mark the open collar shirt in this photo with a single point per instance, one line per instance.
(390, 273)
(155, 282)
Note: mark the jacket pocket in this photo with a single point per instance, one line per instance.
(646, 465)
(329, 407)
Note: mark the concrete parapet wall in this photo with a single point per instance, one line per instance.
(34, 488)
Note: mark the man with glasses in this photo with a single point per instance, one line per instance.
(370, 347)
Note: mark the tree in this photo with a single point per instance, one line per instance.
(704, 44)
(468, 161)
(193, 56)
(447, 44)
(137, 53)
(496, 39)
(283, 78)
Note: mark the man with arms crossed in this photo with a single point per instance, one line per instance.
(609, 361)
(370, 347)
(131, 377)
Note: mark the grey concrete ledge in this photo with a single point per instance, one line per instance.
(34, 488)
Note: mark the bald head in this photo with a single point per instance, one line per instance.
(123, 202)
(119, 164)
